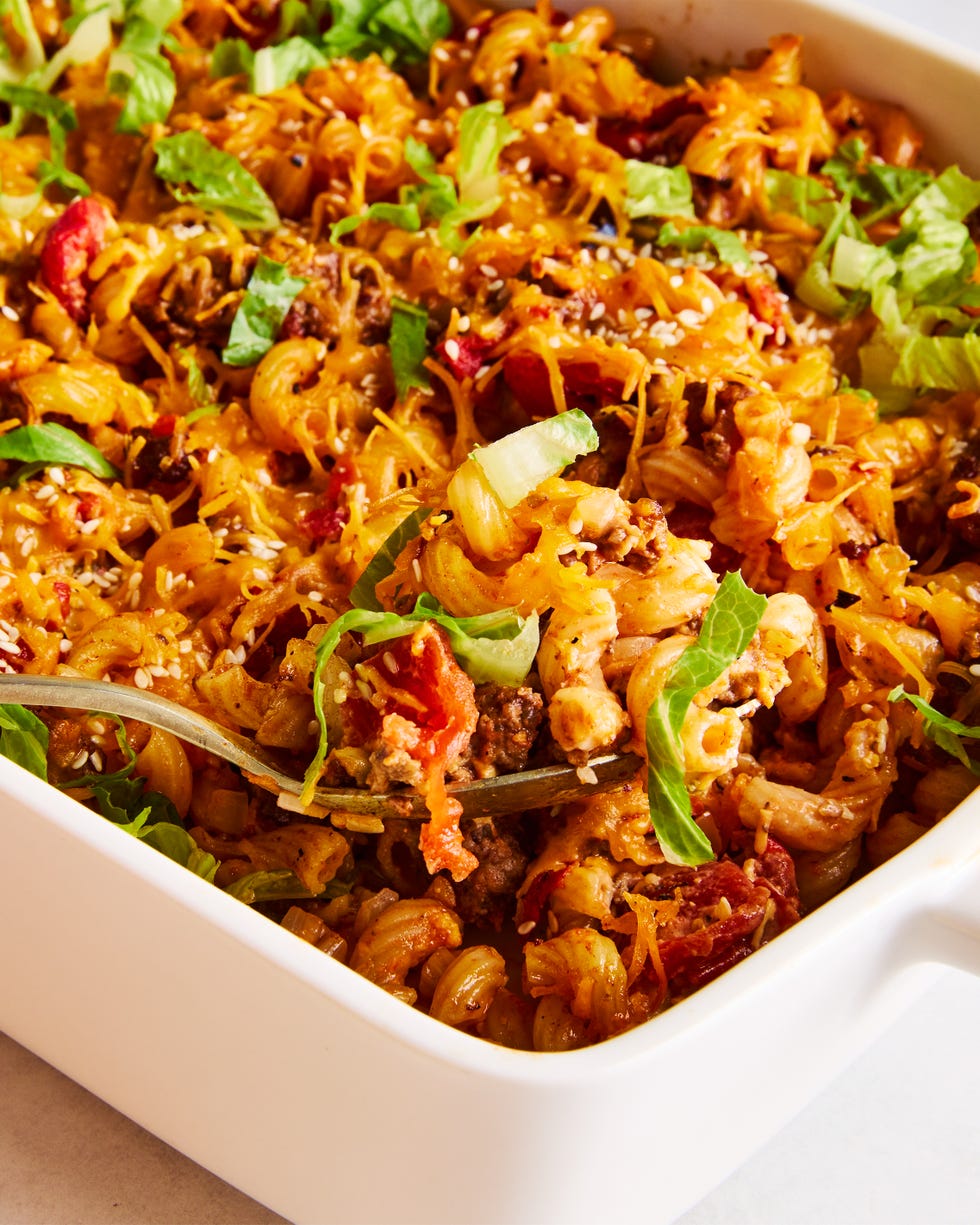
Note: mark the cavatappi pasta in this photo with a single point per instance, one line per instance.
(283, 274)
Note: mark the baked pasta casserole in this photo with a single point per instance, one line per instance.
(435, 393)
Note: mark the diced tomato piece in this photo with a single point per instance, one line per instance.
(531, 904)
(701, 942)
(768, 304)
(72, 243)
(164, 426)
(326, 522)
(423, 707)
(527, 377)
(464, 354)
(642, 138)
(88, 507)
(526, 374)
(63, 592)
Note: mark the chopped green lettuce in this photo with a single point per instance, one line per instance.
(363, 593)
(948, 734)
(39, 446)
(221, 182)
(408, 346)
(517, 463)
(24, 739)
(269, 294)
(658, 191)
(728, 627)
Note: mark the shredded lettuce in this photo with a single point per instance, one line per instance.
(657, 191)
(18, 12)
(484, 132)
(60, 118)
(269, 294)
(728, 627)
(920, 279)
(201, 391)
(138, 71)
(408, 346)
(404, 216)
(90, 38)
(276, 67)
(231, 57)
(222, 183)
(398, 30)
(121, 796)
(363, 593)
(173, 841)
(39, 446)
(269, 885)
(24, 739)
(948, 734)
(729, 247)
(519, 462)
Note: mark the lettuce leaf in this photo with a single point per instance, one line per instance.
(221, 182)
(408, 346)
(517, 463)
(948, 734)
(397, 30)
(24, 739)
(173, 841)
(276, 67)
(728, 246)
(40, 446)
(383, 562)
(728, 627)
(138, 71)
(657, 191)
(269, 294)
(404, 216)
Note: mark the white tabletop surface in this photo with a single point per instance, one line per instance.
(894, 1141)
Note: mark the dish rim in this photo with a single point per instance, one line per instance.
(928, 867)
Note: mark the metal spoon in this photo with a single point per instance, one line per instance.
(487, 797)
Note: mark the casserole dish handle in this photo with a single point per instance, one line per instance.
(948, 931)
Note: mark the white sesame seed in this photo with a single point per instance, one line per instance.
(142, 680)
(452, 350)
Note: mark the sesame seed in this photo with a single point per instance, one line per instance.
(142, 679)
(452, 350)
(390, 662)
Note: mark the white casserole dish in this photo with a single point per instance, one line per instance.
(317, 1094)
